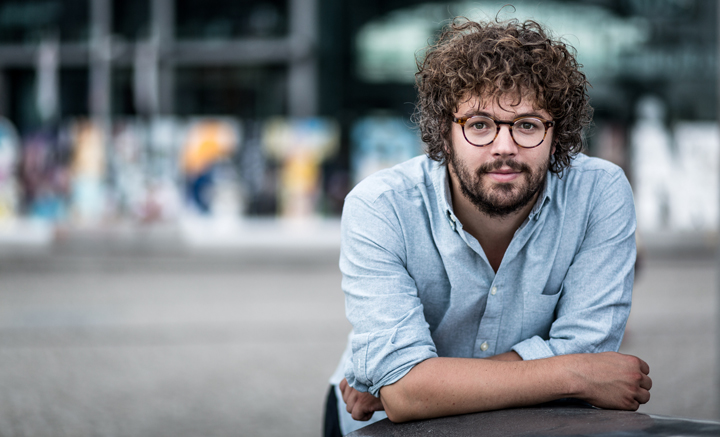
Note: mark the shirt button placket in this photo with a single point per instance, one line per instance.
(489, 326)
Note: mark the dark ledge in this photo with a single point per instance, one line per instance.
(550, 420)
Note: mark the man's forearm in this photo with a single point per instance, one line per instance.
(448, 386)
(507, 356)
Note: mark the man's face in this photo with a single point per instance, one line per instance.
(500, 178)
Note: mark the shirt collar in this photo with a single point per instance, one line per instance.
(544, 197)
(441, 184)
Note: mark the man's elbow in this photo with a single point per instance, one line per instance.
(397, 404)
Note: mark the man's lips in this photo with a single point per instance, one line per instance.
(504, 174)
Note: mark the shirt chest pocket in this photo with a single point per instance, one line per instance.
(538, 314)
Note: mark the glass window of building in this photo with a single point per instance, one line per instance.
(224, 19)
(240, 91)
(131, 19)
(27, 21)
(123, 95)
(22, 106)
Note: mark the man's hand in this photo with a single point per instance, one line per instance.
(613, 380)
(360, 405)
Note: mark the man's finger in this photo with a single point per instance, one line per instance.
(361, 412)
(350, 402)
(356, 415)
(345, 390)
(646, 382)
(366, 416)
(643, 396)
(644, 367)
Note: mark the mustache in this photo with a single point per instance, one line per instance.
(497, 165)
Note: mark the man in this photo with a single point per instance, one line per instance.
(492, 272)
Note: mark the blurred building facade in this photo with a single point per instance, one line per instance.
(101, 98)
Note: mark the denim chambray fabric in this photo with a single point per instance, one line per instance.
(418, 286)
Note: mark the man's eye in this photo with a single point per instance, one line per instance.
(479, 125)
(526, 125)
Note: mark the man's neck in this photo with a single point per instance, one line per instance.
(494, 233)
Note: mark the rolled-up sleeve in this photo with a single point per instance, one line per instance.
(390, 334)
(596, 293)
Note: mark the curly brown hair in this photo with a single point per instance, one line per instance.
(497, 59)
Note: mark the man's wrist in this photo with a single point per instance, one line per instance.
(569, 370)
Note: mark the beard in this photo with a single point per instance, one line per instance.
(500, 199)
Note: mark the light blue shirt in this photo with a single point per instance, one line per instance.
(418, 286)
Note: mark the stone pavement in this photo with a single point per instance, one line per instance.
(673, 326)
(113, 341)
(139, 337)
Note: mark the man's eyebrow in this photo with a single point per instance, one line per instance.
(475, 112)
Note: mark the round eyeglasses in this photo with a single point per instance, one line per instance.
(527, 132)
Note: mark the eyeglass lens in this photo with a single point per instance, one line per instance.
(527, 132)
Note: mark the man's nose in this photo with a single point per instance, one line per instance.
(504, 144)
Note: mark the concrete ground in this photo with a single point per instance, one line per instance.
(673, 327)
(140, 338)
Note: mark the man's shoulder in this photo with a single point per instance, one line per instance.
(582, 164)
(400, 179)
(591, 179)
(583, 167)
(590, 172)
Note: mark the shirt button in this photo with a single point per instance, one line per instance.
(493, 291)
(484, 346)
